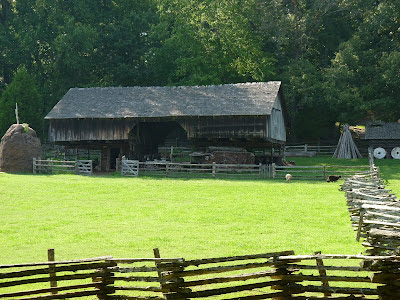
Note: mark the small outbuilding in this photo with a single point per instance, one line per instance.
(384, 139)
(134, 121)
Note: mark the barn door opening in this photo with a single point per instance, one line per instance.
(146, 137)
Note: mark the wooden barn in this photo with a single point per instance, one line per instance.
(384, 139)
(134, 121)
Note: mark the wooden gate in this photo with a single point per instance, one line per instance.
(129, 167)
(84, 167)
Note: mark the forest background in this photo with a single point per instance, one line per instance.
(339, 60)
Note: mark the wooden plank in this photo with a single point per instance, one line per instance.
(221, 291)
(224, 279)
(213, 270)
(336, 256)
(47, 279)
(125, 297)
(47, 290)
(377, 222)
(134, 260)
(323, 278)
(338, 290)
(155, 289)
(66, 268)
(63, 296)
(108, 258)
(381, 207)
(136, 278)
(269, 255)
(327, 268)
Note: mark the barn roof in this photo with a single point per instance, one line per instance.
(382, 131)
(130, 102)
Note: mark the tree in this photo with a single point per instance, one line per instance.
(208, 42)
(22, 90)
(363, 82)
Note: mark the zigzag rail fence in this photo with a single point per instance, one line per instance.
(276, 275)
(374, 212)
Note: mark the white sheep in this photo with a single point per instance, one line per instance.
(288, 177)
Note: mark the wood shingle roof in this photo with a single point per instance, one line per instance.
(245, 99)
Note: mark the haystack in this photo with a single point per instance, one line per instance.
(346, 147)
(18, 147)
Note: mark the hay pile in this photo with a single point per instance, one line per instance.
(18, 147)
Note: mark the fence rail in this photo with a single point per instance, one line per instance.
(309, 150)
(317, 149)
(317, 172)
(260, 276)
(48, 166)
(212, 170)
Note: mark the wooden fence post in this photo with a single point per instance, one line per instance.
(52, 272)
(322, 272)
(386, 273)
(104, 280)
(324, 171)
(34, 166)
(214, 170)
(360, 223)
(170, 286)
(282, 270)
(273, 170)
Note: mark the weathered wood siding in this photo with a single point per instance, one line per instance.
(277, 129)
(72, 130)
(225, 127)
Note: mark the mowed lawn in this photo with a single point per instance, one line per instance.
(83, 217)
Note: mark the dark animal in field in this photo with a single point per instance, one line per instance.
(288, 164)
(333, 178)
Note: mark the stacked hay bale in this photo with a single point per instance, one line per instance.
(18, 147)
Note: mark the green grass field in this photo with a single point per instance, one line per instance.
(192, 218)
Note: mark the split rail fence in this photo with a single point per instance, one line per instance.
(212, 170)
(306, 148)
(317, 172)
(277, 275)
(375, 213)
(48, 166)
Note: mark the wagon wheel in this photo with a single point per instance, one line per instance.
(379, 153)
(396, 153)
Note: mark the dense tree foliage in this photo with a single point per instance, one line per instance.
(24, 92)
(338, 59)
